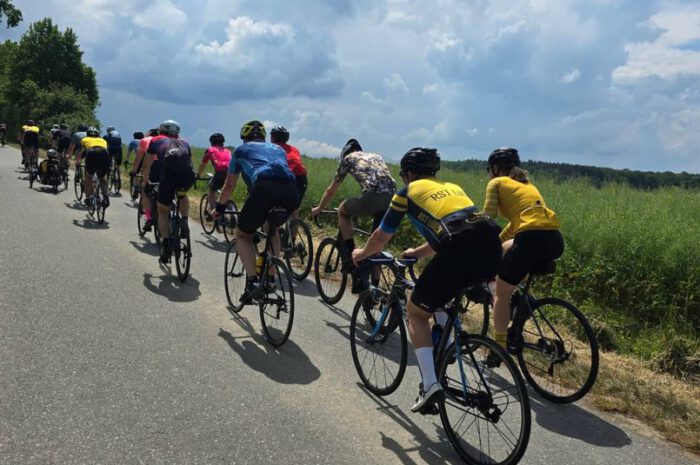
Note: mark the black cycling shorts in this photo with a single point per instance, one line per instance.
(217, 182)
(117, 154)
(97, 160)
(471, 256)
(172, 182)
(530, 248)
(154, 173)
(302, 185)
(263, 196)
(31, 139)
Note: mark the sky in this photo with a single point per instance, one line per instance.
(611, 83)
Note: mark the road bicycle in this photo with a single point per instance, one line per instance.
(152, 192)
(97, 201)
(227, 222)
(552, 340)
(134, 183)
(115, 178)
(275, 294)
(486, 410)
(78, 182)
(180, 245)
(297, 247)
(330, 275)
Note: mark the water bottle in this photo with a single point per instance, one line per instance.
(437, 335)
(258, 265)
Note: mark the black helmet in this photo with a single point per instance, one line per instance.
(350, 146)
(279, 134)
(51, 154)
(253, 129)
(505, 157)
(421, 160)
(82, 127)
(138, 135)
(93, 132)
(63, 126)
(217, 139)
(153, 132)
(110, 129)
(30, 122)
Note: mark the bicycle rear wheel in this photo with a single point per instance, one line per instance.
(231, 221)
(475, 319)
(379, 353)
(330, 279)
(486, 411)
(558, 351)
(115, 181)
(78, 187)
(298, 248)
(277, 305)
(234, 278)
(140, 217)
(205, 219)
(183, 254)
(100, 209)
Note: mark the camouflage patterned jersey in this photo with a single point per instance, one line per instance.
(369, 170)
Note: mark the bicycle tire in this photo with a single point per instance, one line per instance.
(234, 279)
(64, 178)
(277, 308)
(300, 249)
(183, 255)
(140, 217)
(387, 351)
(91, 207)
(475, 320)
(579, 367)
(118, 180)
(78, 188)
(231, 222)
(330, 280)
(208, 226)
(495, 413)
(100, 211)
(31, 177)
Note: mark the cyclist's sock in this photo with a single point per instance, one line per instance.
(427, 366)
(147, 214)
(441, 319)
(501, 339)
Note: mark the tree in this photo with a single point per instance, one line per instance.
(9, 11)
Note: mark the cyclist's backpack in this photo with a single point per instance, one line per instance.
(177, 156)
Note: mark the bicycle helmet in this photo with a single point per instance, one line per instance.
(421, 160)
(138, 135)
(153, 132)
(350, 146)
(30, 122)
(93, 132)
(82, 127)
(56, 126)
(110, 128)
(51, 154)
(253, 129)
(169, 128)
(217, 139)
(279, 134)
(63, 126)
(505, 157)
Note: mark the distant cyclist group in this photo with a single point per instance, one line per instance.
(464, 242)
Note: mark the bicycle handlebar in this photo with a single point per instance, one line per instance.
(333, 211)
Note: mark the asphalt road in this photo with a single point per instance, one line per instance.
(106, 359)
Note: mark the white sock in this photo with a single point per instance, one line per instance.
(441, 318)
(427, 366)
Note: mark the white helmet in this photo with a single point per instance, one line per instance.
(169, 127)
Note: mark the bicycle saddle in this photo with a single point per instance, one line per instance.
(543, 268)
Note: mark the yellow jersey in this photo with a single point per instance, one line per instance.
(521, 204)
(88, 143)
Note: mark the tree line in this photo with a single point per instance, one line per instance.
(43, 78)
(647, 180)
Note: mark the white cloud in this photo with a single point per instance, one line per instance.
(571, 76)
(161, 16)
(395, 83)
(315, 148)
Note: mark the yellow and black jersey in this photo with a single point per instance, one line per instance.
(428, 203)
(521, 204)
(30, 133)
(88, 143)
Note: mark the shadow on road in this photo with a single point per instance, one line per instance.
(572, 421)
(285, 365)
(89, 223)
(149, 248)
(213, 244)
(172, 288)
(306, 287)
(75, 205)
(431, 451)
(131, 204)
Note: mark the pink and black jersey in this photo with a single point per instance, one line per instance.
(220, 158)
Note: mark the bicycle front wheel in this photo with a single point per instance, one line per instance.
(558, 352)
(328, 272)
(100, 210)
(486, 411)
(277, 305)
(234, 278)
(183, 254)
(205, 219)
(231, 221)
(378, 352)
(298, 249)
(78, 187)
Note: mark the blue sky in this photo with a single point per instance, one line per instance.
(601, 82)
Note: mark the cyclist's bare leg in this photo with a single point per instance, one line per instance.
(211, 197)
(103, 185)
(345, 223)
(163, 223)
(419, 331)
(501, 304)
(184, 207)
(88, 185)
(246, 250)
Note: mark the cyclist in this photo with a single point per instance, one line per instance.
(220, 158)
(378, 187)
(114, 144)
(97, 160)
(280, 136)
(52, 139)
(3, 133)
(30, 141)
(152, 174)
(531, 235)
(174, 158)
(464, 243)
(270, 184)
(133, 146)
(63, 138)
(78, 136)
